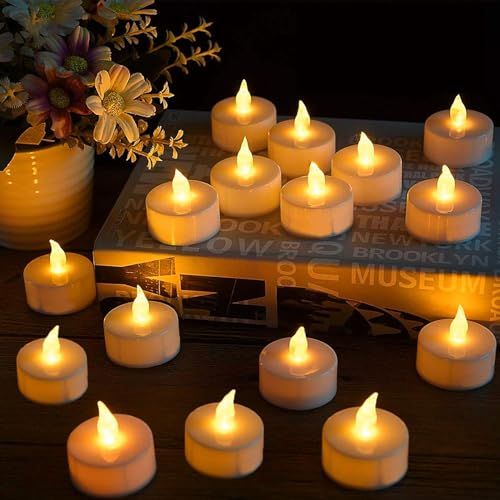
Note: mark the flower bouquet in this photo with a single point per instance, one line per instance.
(67, 67)
(79, 76)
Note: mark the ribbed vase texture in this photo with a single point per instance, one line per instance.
(46, 194)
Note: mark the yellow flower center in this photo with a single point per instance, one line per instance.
(113, 102)
(59, 98)
(46, 11)
(76, 63)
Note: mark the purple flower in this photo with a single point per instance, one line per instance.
(74, 56)
(55, 98)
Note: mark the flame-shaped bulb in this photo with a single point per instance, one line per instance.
(302, 121)
(107, 426)
(243, 99)
(458, 113)
(57, 258)
(225, 412)
(459, 327)
(366, 155)
(297, 346)
(244, 161)
(140, 307)
(51, 347)
(366, 417)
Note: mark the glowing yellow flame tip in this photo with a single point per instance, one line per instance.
(445, 184)
(180, 186)
(458, 113)
(302, 121)
(140, 307)
(366, 417)
(243, 99)
(459, 326)
(57, 258)
(315, 180)
(225, 412)
(298, 344)
(51, 347)
(244, 160)
(107, 425)
(366, 151)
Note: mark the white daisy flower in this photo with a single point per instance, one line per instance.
(117, 100)
(42, 19)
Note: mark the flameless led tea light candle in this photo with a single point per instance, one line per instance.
(455, 353)
(224, 439)
(182, 212)
(248, 186)
(298, 373)
(365, 447)
(59, 283)
(141, 334)
(458, 137)
(293, 144)
(373, 171)
(111, 455)
(316, 206)
(244, 116)
(52, 370)
(443, 210)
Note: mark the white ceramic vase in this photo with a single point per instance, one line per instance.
(46, 193)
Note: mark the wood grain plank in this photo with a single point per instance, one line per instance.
(41, 472)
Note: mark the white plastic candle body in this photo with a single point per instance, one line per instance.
(381, 186)
(258, 195)
(461, 366)
(425, 222)
(100, 471)
(171, 225)
(473, 148)
(229, 127)
(234, 453)
(331, 215)
(142, 345)
(366, 464)
(294, 155)
(60, 382)
(65, 293)
(303, 385)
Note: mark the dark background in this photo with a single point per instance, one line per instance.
(376, 60)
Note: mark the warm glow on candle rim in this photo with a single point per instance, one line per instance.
(225, 412)
(459, 327)
(57, 258)
(140, 307)
(366, 417)
(243, 99)
(107, 426)
(51, 347)
(298, 345)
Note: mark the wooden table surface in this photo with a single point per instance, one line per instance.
(454, 436)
